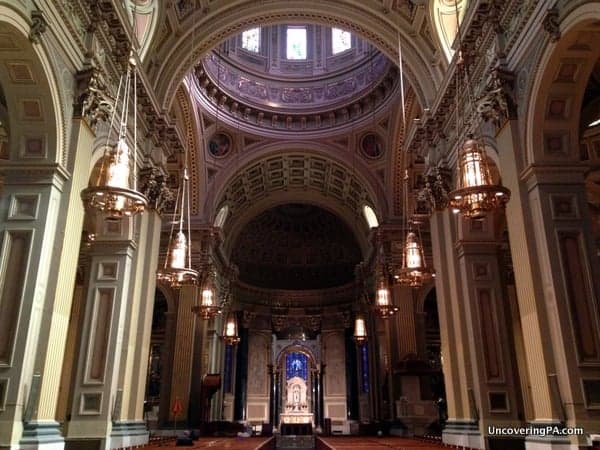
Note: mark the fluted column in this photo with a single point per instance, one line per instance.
(183, 352)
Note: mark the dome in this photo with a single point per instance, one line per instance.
(295, 77)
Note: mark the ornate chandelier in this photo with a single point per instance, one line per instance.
(476, 194)
(230, 329)
(360, 330)
(114, 191)
(177, 270)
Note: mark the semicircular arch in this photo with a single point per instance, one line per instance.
(201, 32)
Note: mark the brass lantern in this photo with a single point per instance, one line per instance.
(414, 271)
(230, 329)
(383, 298)
(360, 330)
(209, 305)
(475, 194)
(114, 191)
(177, 270)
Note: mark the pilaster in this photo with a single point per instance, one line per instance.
(492, 393)
(42, 430)
(30, 208)
(129, 427)
(556, 280)
(461, 426)
(97, 397)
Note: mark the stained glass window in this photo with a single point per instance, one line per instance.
(296, 43)
(296, 365)
(340, 40)
(364, 357)
(227, 378)
(251, 40)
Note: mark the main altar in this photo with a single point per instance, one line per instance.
(296, 400)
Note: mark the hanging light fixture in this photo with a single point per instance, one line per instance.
(360, 330)
(414, 271)
(383, 299)
(475, 194)
(114, 192)
(177, 270)
(230, 329)
(209, 304)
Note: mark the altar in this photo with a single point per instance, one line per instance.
(296, 418)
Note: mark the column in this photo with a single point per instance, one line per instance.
(129, 427)
(493, 392)
(272, 391)
(183, 353)
(40, 247)
(241, 376)
(461, 426)
(556, 278)
(96, 396)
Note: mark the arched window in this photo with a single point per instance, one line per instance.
(370, 216)
(341, 40)
(444, 18)
(221, 217)
(251, 40)
(296, 43)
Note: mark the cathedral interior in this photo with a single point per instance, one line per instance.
(318, 217)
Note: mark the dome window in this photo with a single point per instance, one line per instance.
(370, 216)
(251, 40)
(341, 41)
(296, 43)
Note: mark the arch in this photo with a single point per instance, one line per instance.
(299, 348)
(359, 170)
(556, 95)
(201, 32)
(32, 94)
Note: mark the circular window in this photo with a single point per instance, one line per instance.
(371, 145)
(219, 145)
